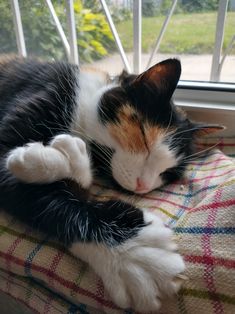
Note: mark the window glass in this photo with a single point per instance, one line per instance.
(190, 34)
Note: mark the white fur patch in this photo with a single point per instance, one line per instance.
(65, 157)
(86, 121)
(139, 272)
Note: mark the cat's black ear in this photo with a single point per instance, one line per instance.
(201, 130)
(164, 76)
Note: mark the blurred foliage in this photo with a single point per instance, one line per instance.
(199, 5)
(150, 8)
(94, 5)
(40, 34)
(7, 35)
(42, 39)
(94, 35)
(120, 14)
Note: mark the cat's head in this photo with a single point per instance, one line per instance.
(151, 139)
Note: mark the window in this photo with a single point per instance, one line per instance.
(138, 33)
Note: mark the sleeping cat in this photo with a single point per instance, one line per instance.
(59, 128)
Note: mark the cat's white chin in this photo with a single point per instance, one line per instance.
(141, 271)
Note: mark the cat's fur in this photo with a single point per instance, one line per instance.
(58, 129)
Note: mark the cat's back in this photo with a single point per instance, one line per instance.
(24, 81)
(18, 74)
(37, 100)
(40, 99)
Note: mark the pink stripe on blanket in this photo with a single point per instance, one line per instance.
(214, 205)
(207, 249)
(210, 260)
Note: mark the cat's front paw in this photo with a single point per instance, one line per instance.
(75, 151)
(19, 162)
(142, 270)
(36, 163)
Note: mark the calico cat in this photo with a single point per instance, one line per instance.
(59, 128)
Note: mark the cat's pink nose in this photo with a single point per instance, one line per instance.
(140, 185)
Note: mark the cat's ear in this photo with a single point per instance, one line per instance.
(206, 129)
(164, 76)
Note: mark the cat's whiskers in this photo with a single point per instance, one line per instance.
(47, 127)
(188, 130)
(105, 151)
(106, 161)
(200, 152)
(181, 138)
(17, 131)
(105, 115)
(102, 155)
(169, 123)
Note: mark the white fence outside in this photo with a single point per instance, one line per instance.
(70, 44)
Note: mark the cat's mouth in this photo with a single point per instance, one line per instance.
(113, 184)
(139, 189)
(142, 191)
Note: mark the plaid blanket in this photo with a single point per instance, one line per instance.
(201, 208)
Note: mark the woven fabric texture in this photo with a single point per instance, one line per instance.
(201, 208)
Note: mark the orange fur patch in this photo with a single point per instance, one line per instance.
(153, 134)
(127, 131)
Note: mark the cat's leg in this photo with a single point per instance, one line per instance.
(132, 251)
(139, 271)
(65, 157)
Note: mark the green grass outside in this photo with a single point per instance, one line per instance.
(186, 33)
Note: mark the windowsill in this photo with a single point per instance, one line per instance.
(208, 86)
(198, 105)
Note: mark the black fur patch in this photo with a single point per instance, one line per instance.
(37, 101)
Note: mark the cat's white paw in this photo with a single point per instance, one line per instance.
(140, 272)
(36, 163)
(16, 162)
(65, 157)
(74, 149)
